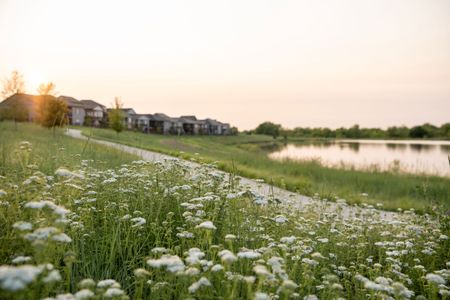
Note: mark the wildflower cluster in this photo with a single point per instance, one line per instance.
(172, 230)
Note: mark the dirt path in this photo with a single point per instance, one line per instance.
(286, 197)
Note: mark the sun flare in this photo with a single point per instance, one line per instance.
(33, 80)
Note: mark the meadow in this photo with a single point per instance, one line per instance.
(247, 155)
(79, 221)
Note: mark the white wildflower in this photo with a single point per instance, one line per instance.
(227, 256)
(250, 254)
(261, 270)
(21, 259)
(194, 256)
(53, 276)
(62, 172)
(200, 283)
(207, 225)
(113, 292)
(67, 296)
(62, 238)
(84, 294)
(310, 262)
(192, 271)
(261, 296)
(108, 283)
(217, 268)
(435, 279)
(138, 222)
(141, 273)
(230, 237)
(87, 283)
(288, 239)
(171, 262)
(17, 278)
(310, 297)
(280, 219)
(159, 250)
(289, 284)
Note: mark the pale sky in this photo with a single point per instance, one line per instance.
(299, 63)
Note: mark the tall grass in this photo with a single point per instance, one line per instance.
(245, 156)
(74, 224)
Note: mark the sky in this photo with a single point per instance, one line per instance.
(321, 63)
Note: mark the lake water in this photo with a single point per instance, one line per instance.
(429, 157)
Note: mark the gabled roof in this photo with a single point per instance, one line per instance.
(91, 104)
(70, 101)
(193, 118)
(162, 118)
(26, 99)
(213, 122)
(143, 116)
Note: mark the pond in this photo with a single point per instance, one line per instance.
(411, 156)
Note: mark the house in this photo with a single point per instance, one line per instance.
(142, 122)
(163, 124)
(77, 112)
(213, 127)
(95, 113)
(91, 113)
(26, 102)
(85, 112)
(191, 125)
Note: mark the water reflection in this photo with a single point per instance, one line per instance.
(430, 157)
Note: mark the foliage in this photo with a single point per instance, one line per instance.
(234, 130)
(13, 85)
(268, 128)
(116, 116)
(78, 225)
(52, 112)
(16, 110)
(355, 132)
(247, 155)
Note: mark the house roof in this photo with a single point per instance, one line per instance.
(193, 118)
(143, 116)
(213, 122)
(91, 104)
(26, 99)
(162, 118)
(70, 101)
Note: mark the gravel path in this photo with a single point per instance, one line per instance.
(288, 198)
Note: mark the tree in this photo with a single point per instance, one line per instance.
(52, 112)
(234, 130)
(13, 85)
(116, 116)
(16, 110)
(269, 128)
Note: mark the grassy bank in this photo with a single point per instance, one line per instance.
(77, 223)
(247, 155)
(51, 150)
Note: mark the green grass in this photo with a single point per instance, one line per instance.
(246, 155)
(109, 218)
(51, 150)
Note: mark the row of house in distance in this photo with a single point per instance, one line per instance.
(92, 113)
(163, 124)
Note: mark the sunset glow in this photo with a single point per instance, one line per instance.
(298, 63)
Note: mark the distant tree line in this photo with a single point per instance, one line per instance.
(425, 131)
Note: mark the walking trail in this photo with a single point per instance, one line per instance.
(286, 197)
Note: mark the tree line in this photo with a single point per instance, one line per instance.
(425, 131)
